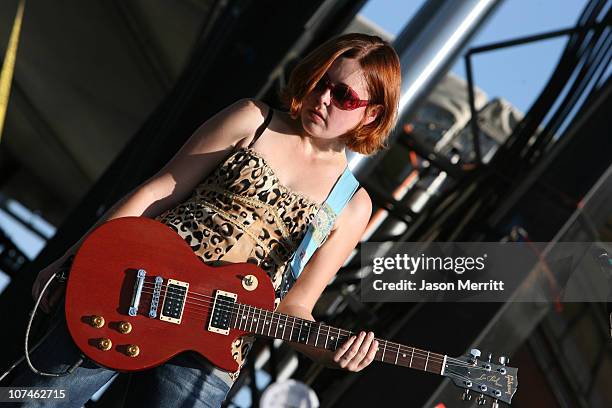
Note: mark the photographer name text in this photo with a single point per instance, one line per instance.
(423, 285)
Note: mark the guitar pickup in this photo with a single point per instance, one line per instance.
(174, 301)
(223, 307)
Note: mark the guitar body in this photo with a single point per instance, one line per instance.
(103, 283)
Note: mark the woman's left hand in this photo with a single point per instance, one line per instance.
(356, 353)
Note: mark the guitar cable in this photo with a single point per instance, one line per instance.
(61, 275)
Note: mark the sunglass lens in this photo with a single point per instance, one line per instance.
(345, 97)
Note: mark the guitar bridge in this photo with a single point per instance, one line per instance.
(140, 278)
(155, 299)
(174, 301)
(221, 312)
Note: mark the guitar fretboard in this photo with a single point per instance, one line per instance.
(294, 329)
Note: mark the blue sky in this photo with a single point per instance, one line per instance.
(517, 74)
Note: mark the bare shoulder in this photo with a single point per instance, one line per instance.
(361, 204)
(249, 108)
(357, 212)
(247, 115)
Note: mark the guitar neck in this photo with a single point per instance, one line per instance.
(297, 330)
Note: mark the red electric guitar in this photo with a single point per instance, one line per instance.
(137, 295)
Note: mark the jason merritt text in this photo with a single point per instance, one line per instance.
(467, 284)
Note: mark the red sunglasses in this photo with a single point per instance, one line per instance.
(342, 96)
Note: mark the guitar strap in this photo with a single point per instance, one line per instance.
(320, 227)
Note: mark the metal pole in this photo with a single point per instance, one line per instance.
(427, 47)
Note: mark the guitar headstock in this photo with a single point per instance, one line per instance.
(484, 377)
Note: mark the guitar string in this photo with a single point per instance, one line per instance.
(418, 354)
(394, 346)
(391, 346)
(234, 309)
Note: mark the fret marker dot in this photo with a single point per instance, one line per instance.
(403, 355)
(254, 319)
(281, 325)
(332, 338)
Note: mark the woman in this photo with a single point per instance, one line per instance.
(262, 185)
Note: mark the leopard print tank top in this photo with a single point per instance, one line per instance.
(242, 213)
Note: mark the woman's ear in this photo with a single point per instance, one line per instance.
(372, 114)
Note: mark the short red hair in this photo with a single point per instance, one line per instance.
(381, 68)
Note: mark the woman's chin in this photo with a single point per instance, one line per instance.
(312, 129)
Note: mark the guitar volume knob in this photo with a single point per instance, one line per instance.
(105, 344)
(125, 327)
(96, 321)
(132, 350)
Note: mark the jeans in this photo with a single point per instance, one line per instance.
(181, 382)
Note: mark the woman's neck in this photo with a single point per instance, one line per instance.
(321, 148)
(318, 149)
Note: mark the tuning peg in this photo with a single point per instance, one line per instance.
(475, 353)
(495, 404)
(488, 365)
(502, 360)
(481, 400)
(466, 396)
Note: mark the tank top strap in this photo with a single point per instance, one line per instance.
(263, 127)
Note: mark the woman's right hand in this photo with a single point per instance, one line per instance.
(55, 290)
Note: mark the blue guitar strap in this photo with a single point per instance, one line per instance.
(320, 228)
